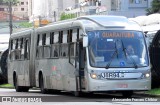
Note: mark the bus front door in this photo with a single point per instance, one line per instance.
(81, 59)
(78, 61)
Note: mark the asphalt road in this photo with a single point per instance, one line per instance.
(35, 97)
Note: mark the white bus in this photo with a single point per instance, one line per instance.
(88, 54)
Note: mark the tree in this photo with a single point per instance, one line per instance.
(155, 7)
(67, 16)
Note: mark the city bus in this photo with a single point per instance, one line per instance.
(89, 54)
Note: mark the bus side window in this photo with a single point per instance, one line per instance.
(40, 43)
(60, 36)
(52, 38)
(38, 37)
(64, 45)
(74, 35)
(60, 42)
(46, 46)
(22, 48)
(44, 39)
(72, 46)
(26, 49)
(17, 49)
(14, 48)
(16, 44)
(55, 46)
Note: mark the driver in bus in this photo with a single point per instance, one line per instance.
(130, 50)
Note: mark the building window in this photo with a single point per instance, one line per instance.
(26, 3)
(135, 1)
(1, 9)
(22, 9)
(22, 3)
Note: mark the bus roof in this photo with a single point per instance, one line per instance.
(94, 22)
(19, 34)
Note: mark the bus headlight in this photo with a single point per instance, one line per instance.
(94, 76)
(147, 75)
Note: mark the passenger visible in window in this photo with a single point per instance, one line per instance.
(55, 53)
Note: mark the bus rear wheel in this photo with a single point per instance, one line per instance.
(43, 90)
(25, 89)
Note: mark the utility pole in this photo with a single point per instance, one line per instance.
(54, 14)
(10, 17)
(40, 21)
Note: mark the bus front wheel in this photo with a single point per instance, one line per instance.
(127, 93)
(18, 88)
(43, 90)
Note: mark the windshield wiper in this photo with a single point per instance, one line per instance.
(114, 54)
(124, 50)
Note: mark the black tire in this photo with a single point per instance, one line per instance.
(18, 88)
(78, 93)
(25, 89)
(43, 90)
(127, 94)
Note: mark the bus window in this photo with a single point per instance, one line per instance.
(111, 48)
(60, 36)
(39, 53)
(46, 47)
(21, 45)
(56, 37)
(17, 50)
(55, 51)
(74, 36)
(78, 34)
(55, 46)
(22, 48)
(64, 45)
(72, 53)
(44, 39)
(40, 40)
(51, 37)
(38, 37)
(16, 44)
(26, 49)
(47, 39)
(64, 36)
(69, 36)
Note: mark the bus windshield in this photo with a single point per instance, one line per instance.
(111, 49)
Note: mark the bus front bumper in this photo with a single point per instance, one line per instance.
(118, 85)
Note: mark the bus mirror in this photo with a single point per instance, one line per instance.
(85, 41)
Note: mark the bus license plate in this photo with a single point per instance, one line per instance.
(113, 75)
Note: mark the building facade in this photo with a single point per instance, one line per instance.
(52, 9)
(20, 10)
(128, 8)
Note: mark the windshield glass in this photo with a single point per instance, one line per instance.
(117, 49)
